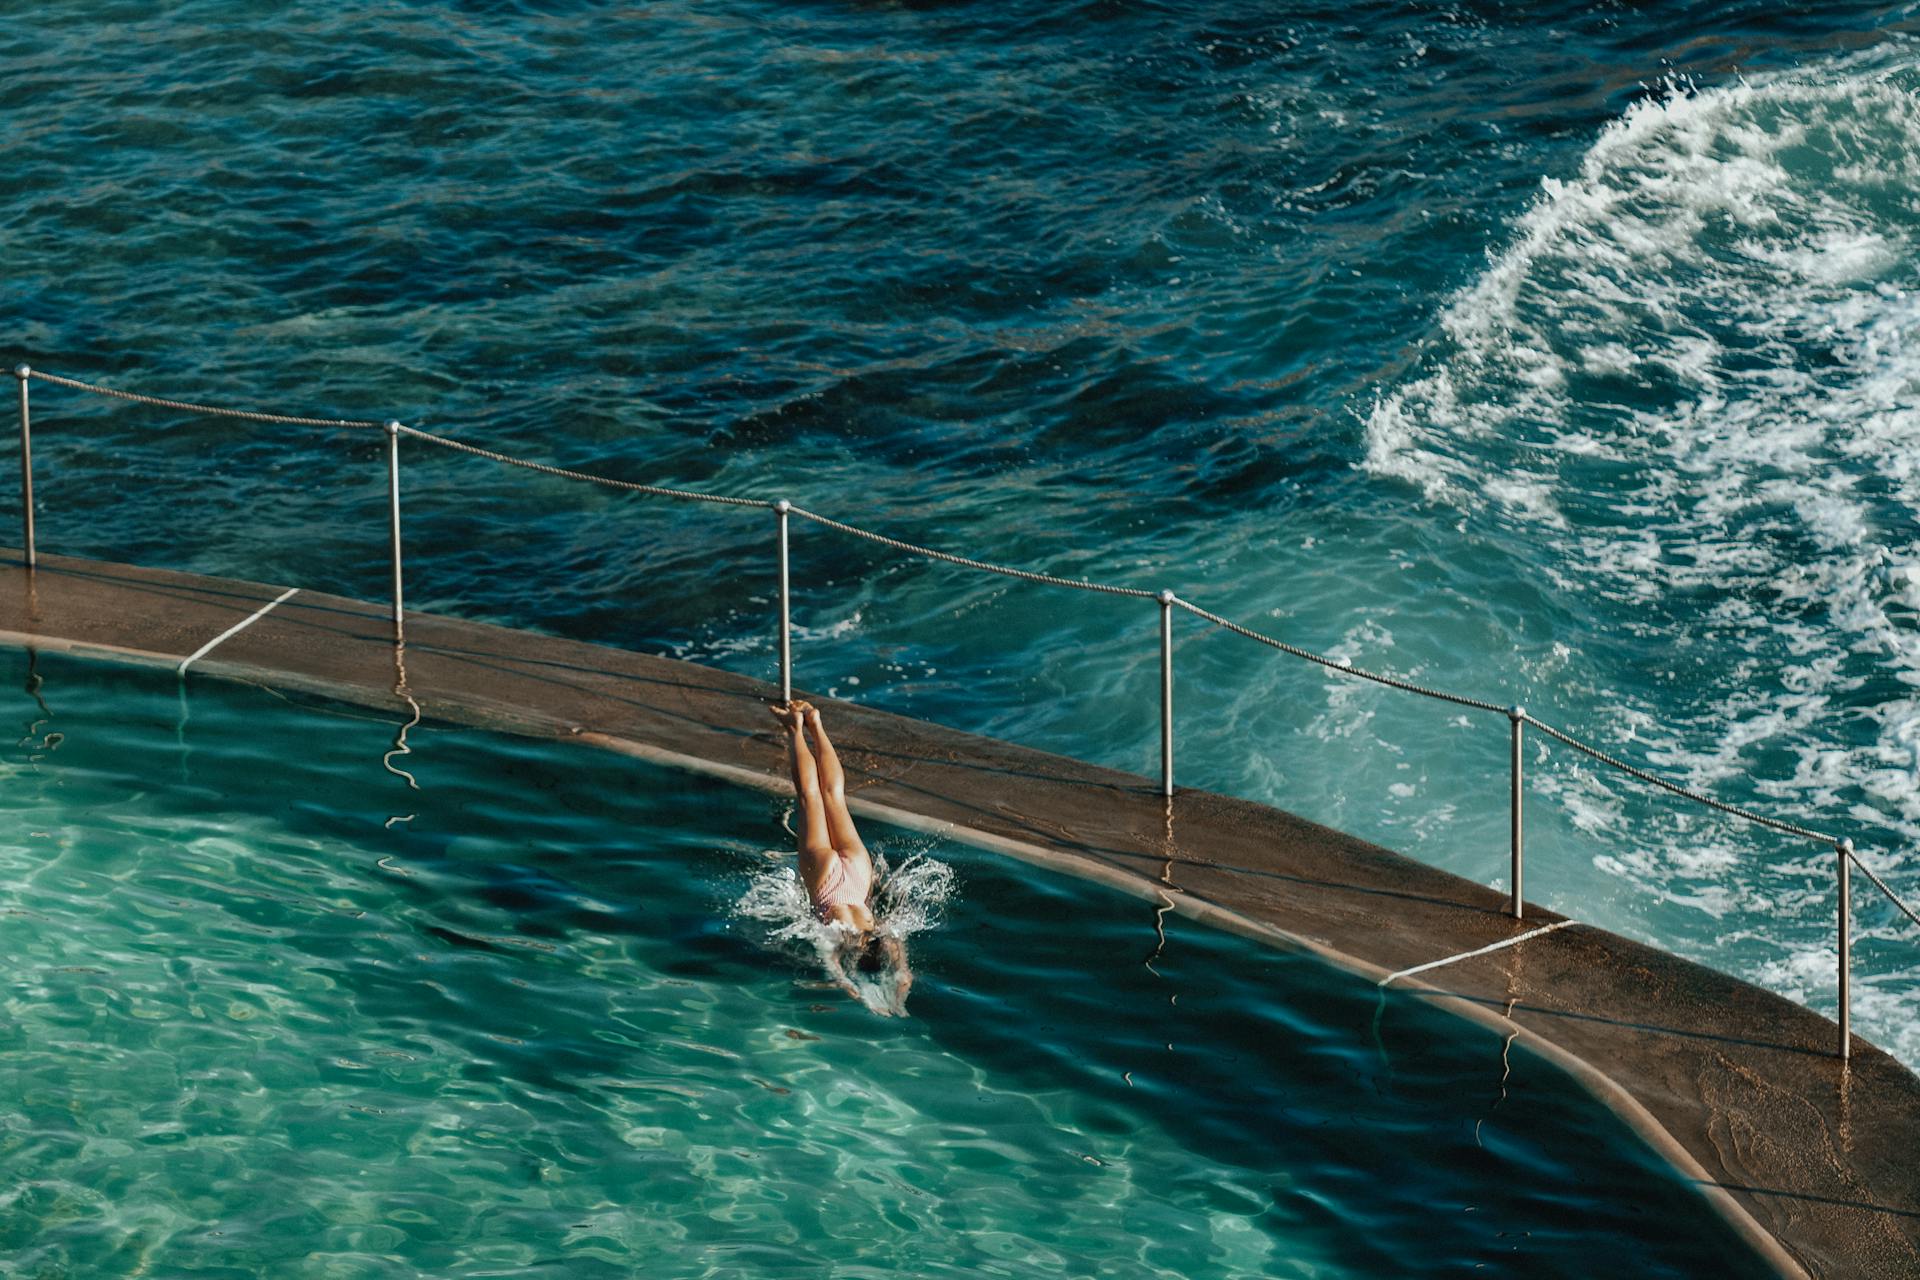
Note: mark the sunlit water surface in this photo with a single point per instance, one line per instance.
(270, 1011)
(1561, 354)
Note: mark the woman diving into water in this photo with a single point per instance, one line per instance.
(834, 865)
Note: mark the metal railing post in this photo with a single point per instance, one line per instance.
(780, 510)
(1843, 851)
(1166, 692)
(393, 528)
(23, 373)
(1517, 907)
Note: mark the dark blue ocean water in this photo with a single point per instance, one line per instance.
(1561, 354)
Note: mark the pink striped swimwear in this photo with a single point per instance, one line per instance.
(846, 884)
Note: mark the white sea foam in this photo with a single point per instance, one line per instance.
(1693, 372)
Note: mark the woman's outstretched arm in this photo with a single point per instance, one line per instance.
(896, 951)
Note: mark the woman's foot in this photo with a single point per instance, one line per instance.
(791, 716)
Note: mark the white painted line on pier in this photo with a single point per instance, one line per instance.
(1468, 955)
(236, 629)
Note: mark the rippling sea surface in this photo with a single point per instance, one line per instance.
(272, 1012)
(1561, 354)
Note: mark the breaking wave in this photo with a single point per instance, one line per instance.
(1692, 377)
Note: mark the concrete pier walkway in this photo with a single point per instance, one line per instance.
(1816, 1163)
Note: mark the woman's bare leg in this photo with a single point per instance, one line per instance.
(812, 827)
(833, 788)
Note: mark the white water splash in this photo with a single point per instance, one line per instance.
(907, 900)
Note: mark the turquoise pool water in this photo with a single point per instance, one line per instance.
(271, 1012)
(1559, 353)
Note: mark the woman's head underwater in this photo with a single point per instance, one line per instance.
(869, 954)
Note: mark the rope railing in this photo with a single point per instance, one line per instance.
(1880, 884)
(928, 553)
(1698, 797)
(1341, 665)
(251, 415)
(630, 486)
(1517, 716)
